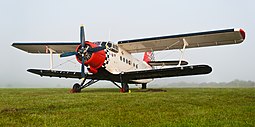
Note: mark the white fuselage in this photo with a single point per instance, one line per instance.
(122, 61)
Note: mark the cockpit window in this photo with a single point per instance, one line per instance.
(103, 43)
(109, 44)
(97, 42)
(113, 47)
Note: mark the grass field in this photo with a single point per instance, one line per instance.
(108, 107)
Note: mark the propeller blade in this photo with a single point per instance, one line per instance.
(66, 54)
(96, 49)
(82, 38)
(82, 67)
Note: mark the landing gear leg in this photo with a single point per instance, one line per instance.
(125, 87)
(77, 87)
(116, 84)
(144, 85)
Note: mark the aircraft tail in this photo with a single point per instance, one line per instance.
(148, 56)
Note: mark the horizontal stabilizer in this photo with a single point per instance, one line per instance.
(167, 63)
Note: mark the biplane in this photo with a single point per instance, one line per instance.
(115, 62)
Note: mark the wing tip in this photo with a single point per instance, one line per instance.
(242, 32)
(14, 44)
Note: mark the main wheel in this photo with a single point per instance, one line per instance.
(125, 87)
(76, 88)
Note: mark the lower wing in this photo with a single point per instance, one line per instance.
(130, 76)
(168, 72)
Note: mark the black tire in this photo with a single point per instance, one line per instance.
(125, 87)
(77, 88)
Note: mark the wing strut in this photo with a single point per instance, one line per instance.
(51, 56)
(185, 43)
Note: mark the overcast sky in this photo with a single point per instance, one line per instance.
(59, 20)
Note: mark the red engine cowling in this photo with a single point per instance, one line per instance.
(92, 60)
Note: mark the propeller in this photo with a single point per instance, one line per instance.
(96, 49)
(91, 50)
(66, 54)
(83, 50)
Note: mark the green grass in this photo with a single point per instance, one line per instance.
(108, 107)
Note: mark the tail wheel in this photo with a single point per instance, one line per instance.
(144, 86)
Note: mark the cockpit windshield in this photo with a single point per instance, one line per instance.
(109, 45)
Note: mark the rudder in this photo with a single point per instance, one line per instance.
(148, 56)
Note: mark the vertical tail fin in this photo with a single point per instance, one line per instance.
(148, 56)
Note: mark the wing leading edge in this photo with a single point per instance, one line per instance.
(42, 47)
(194, 40)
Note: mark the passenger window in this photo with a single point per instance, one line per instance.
(129, 62)
(124, 59)
(136, 66)
(120, 58)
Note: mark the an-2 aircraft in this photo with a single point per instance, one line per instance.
(115, 63)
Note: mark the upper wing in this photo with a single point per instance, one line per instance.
(201, 39)
(41, 47)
